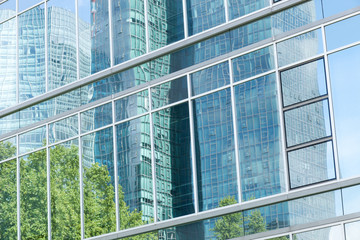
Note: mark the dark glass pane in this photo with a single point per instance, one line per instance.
(311, 164)
(169, 92)
(238, 8)
(98, 183)
(134, 169)
(65, 191)
(32, 140)
(8, 148)
(210, 78)
(261, 162)
(96, 117)
(132, 105)
(173, 162)
(253, 63)
(63, 129)
(307, 123)
(334, 232)
(8, 199)
(33, 196)
(166, 23)
(303, 83)
(203, 15)
(214, 143)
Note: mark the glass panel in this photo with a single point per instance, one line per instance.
(8, 149)
(7, 61)
(311, 164)
(341, 33)
(261, 161)
(240, 8)
(253, 63)
(98, 183)
(96, 117)
(203, 15)
(63, 103)
(129, 35)
(169, 92)
(63, 129)
(8, 199)
(33, 196)
(329, 233)
(132, 105)
(86, 30)
(307, 123)
(9, 123)
(31, 53)
(303, 83)
(32, 140)
(214, 143)
(8, 9)
(210, 78)
(351, 198)
(65, 191)
(345, 75)
(352, 230)
(173, 162)
(300, 47)
(36, 113)
(166, 23)
(332, 7)
(134, 169)
(62, 63)
(24, 4)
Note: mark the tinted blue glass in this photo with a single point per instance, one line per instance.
(253, 63)
(210, 78)
(204, 14)
(32, 140)
(86, 12)
(214, 141)
(238, 8)
(132, 105)
(332, 7)
(134, 168)
(307, 123)
(8, 9)
(129, 36)
(345, 75)
(335, 232)
(9, 123)
(63, 129)
(173, 162)
(303, 83)
(24, 4)
(8, 90)
(261, 162)
(31, 53)
(311, 164)
(96, 117)
(341, 33)
(166, 23)
(169, 92)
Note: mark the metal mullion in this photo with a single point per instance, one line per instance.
(301, 62)
(46, 49)
(63, 141)
(308, 144)
(193, 149)
(185, 20)
(77, 40)
(344, 47)
(226, 7)
(169, 105)
(31, 7)
(343, 231)
(307, 30)
(131, 118)
(249, 50)
(81, 183)
(146, 17)
(341, 18)
(305, 103)
(32, 151)
(111, 34)
(254, 77)
(236, 141)
(115, 169)
(48, 171)
(7, 160)
(210, 92)
(18, 188)
(17, 57)
(96, 130)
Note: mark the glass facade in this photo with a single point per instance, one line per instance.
(181, 119)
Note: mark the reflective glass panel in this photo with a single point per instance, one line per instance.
(332, 7)
(352, 230)
(210, 78)
(214, 143)
(351, 199)
(32, 140)
(24, 4)
(63, 129)
(8, 148)
(253, 63)
(300, 47)
(33, 196)
(62, 62)
(36, 113)
(169, 92)
(329, 233)
(311, 164)
(132, 105)
(96, 117)
(307, 123)
(345, 75)
(7, 9)
(166, 23)
(86, 11)
(65, 191)
(129, 35)
(303, 83)
(261, 162)
(9, 123)
(31, 29)
(240, 8)
(98, 183)
(203, 15)
(174, 185)
(8, 199)
(134, 169)
(8, 70)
